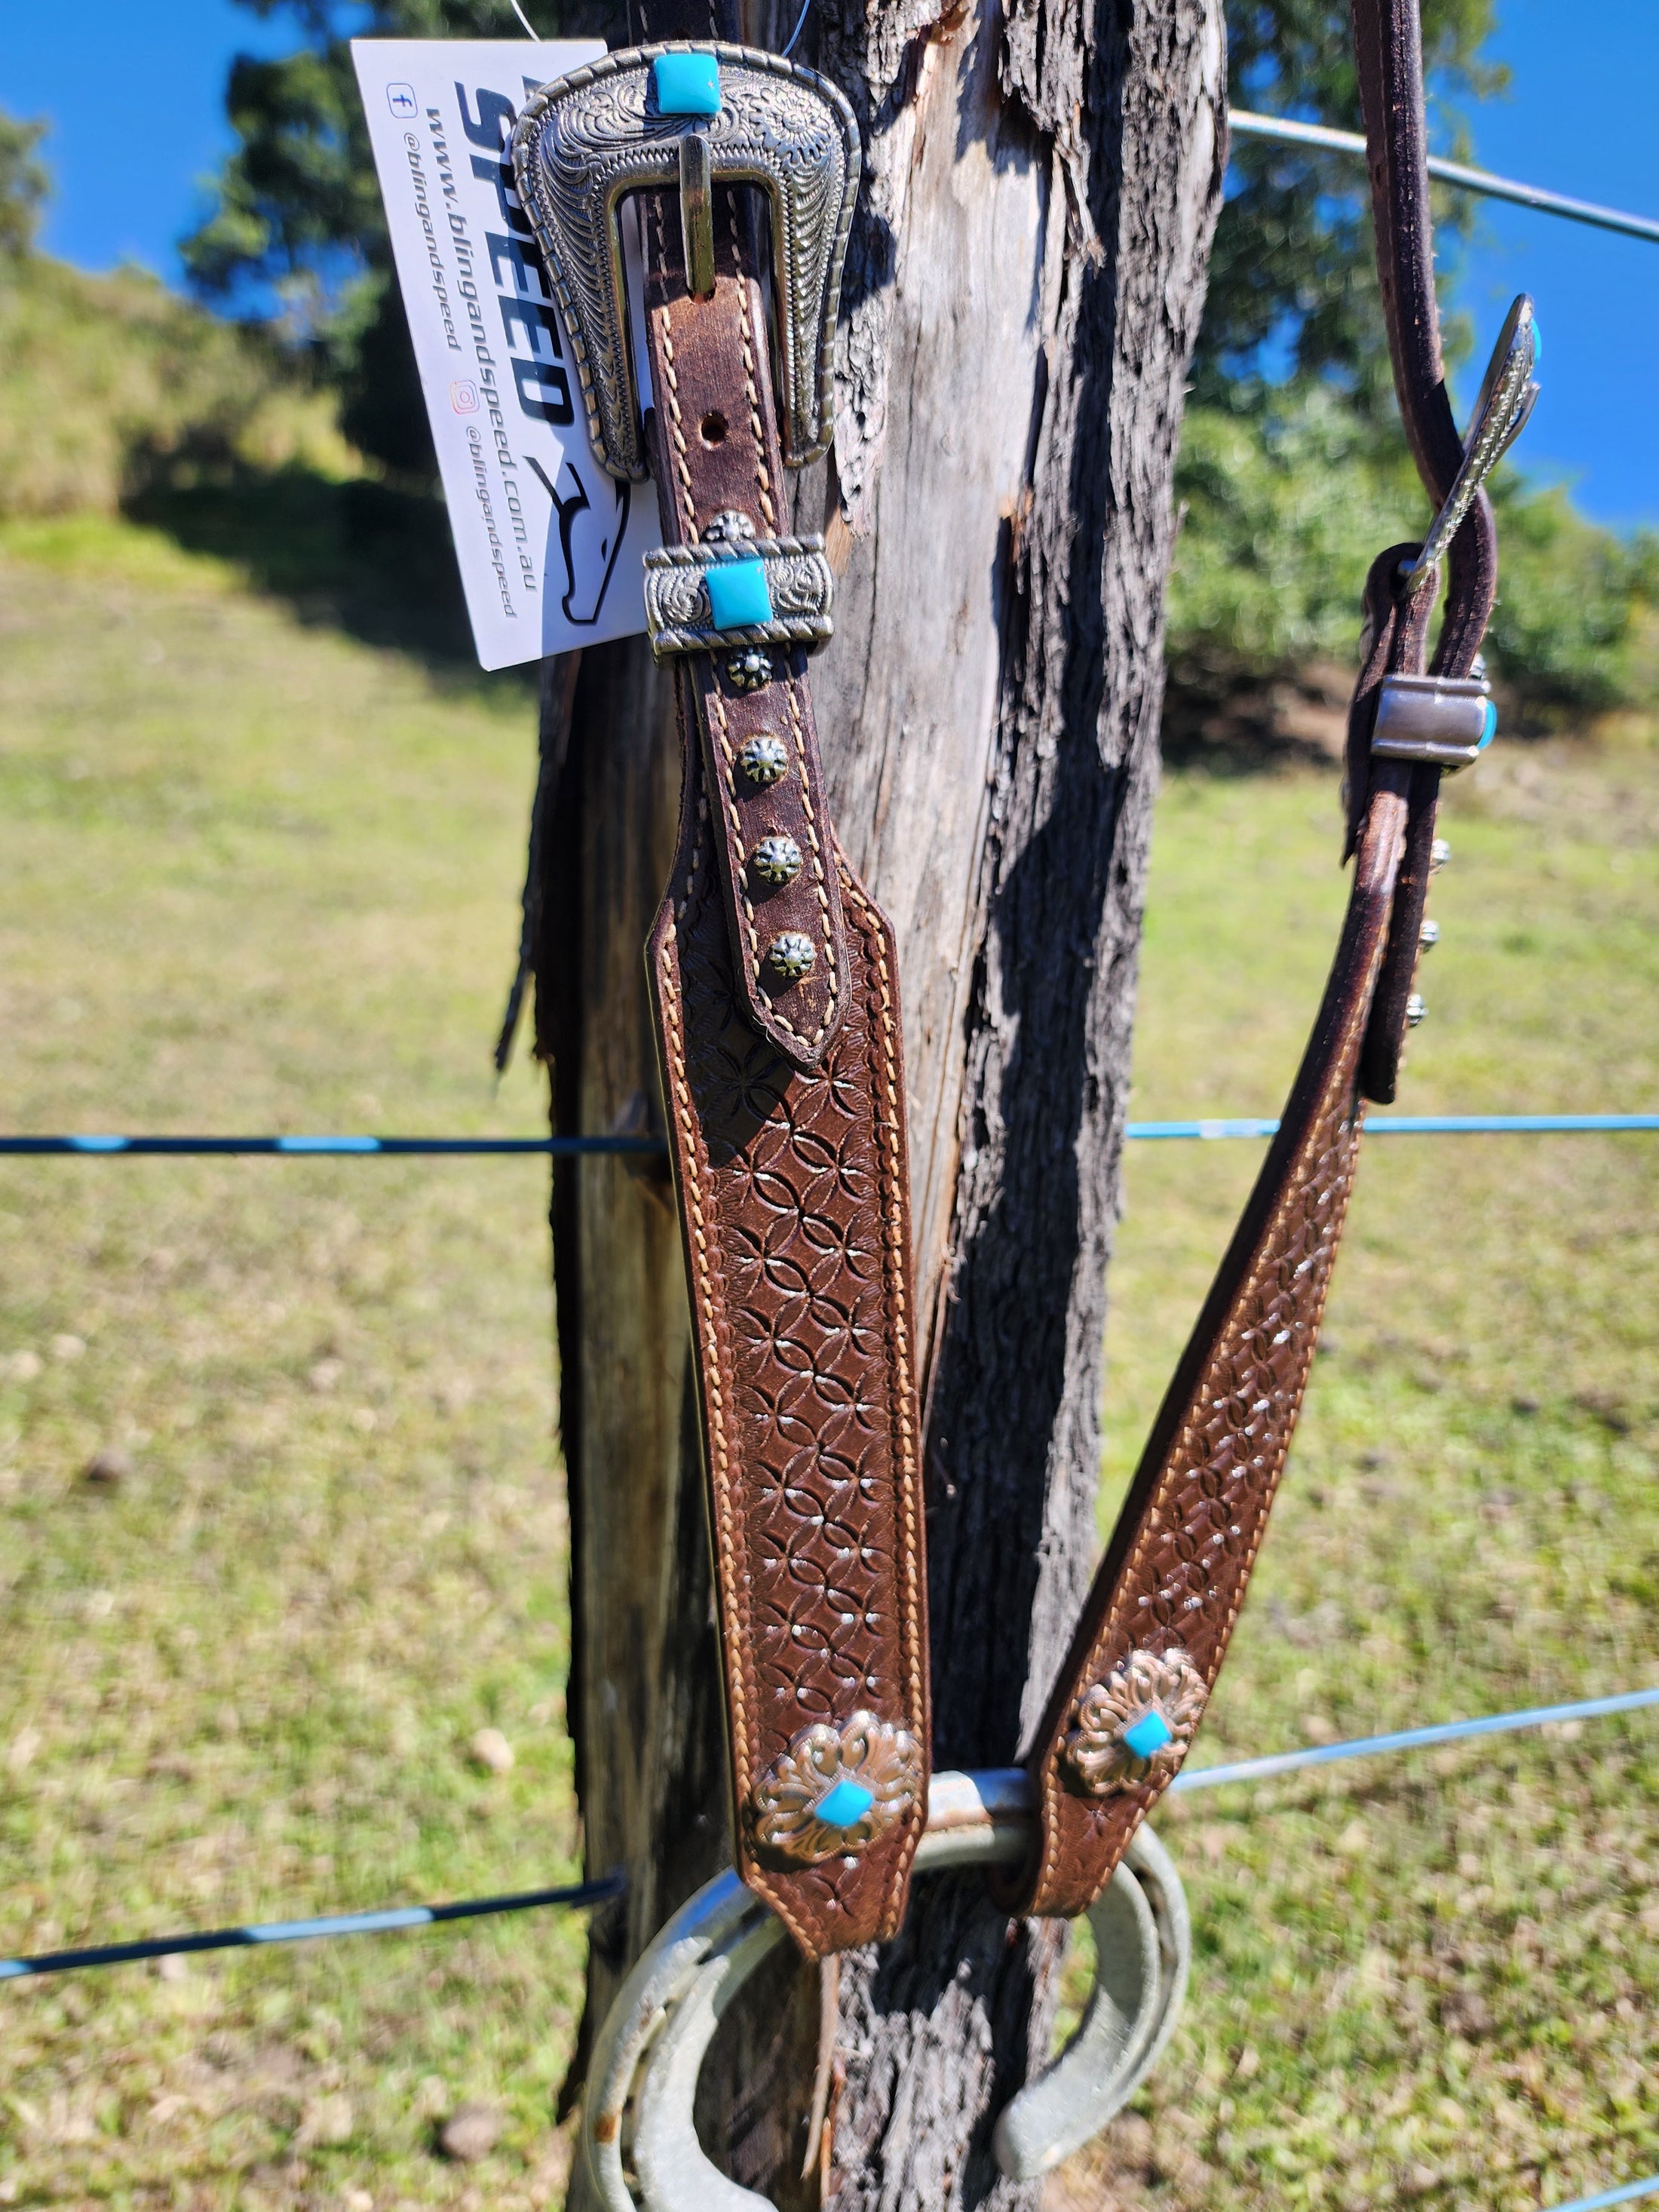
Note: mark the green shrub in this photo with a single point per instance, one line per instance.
(1286, 502)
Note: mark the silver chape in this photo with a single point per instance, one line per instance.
(1446, 720)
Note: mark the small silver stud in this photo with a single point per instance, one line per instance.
(1428, 936)
(776, 861)
(1415, 1010)
(764, 760)
(1439, 854)
(750, 670)
(728, 528)
(791, 957)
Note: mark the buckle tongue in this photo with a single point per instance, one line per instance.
(661, 118)
(1508, 395)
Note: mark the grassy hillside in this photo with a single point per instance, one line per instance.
(113, 385)
(261, 874)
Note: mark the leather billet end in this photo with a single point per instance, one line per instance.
(750, 701)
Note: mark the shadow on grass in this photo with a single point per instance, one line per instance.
(368, 558)
(1235, 723)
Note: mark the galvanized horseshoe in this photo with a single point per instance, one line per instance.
(642, 2082)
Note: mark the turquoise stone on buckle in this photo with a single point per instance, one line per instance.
(738, 595)
(686, 84)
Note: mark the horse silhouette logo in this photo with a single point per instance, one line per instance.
(589, 536)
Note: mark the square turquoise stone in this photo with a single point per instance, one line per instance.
(738, 594)
(686, 84)
(846, 1804)
(1149, 1733)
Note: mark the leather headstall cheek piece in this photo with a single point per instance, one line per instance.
(1157, 1623)
(773, 973)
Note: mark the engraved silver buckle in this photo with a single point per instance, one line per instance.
(1446, 720)
(586, 141)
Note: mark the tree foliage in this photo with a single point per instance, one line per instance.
(1293, 276)
(297, 217)
(1294, 469)
(1284, 508)
(23, 185)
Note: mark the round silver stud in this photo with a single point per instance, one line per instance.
(1439, 854)
(1415, 1010)
(728, 528)
(1428, 936)
(791, 957)
(764, 760)
(776, 861)
(750, 670)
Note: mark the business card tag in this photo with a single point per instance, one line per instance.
(551, 547)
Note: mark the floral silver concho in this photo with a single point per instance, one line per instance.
(1146, 1684)
(875, 1759)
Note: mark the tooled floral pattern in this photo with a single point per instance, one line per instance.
(1220, 1475)
(1199, 1528)
(805, 1249)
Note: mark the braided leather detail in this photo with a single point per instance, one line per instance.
(793, 1192)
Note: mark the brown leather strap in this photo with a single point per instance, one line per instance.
(1389, 56)
(1159, 1615)
(785, 1111)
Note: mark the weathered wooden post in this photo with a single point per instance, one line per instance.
(1022, 297)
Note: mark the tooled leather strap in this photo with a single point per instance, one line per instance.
(774, 976)
(1159, 1615)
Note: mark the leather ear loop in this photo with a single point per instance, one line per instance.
(1389, 59)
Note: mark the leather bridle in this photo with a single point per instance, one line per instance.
(774, 980)
(1161, 1612)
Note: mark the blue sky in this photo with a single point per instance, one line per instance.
(133, 90)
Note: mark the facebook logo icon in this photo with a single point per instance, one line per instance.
(400, 99)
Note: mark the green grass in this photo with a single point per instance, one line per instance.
(115, 384)
(260, 874)
(258, 877)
